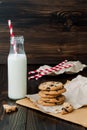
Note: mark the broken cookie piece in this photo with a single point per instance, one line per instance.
(9, 108)
(67, 108)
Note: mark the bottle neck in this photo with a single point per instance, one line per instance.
(19, 49)
(17, 45)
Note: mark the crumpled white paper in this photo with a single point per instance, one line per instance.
(77, 67)
(76, 94)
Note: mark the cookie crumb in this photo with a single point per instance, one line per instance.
(9, 108)
(67, 108)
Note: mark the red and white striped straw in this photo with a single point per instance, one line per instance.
(12, 35)
(58, 67)
(48, 70)
(11, 28)
(54, 68)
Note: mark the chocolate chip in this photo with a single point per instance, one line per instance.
(51, 85)
(65, 109)
(47, 88)
(56, 103)
(57, 98)
(45, 101)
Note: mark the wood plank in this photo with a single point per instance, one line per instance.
(45, 26)
(49, 46)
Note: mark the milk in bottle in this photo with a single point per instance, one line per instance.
(17, 69)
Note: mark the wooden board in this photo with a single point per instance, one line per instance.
(77, 116)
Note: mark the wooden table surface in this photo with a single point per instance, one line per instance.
(29, 119)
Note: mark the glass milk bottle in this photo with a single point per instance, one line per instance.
(17, 69)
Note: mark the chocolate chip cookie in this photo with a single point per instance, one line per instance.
(53, 93)
(51, 85)
(46, 103)
(57, 99)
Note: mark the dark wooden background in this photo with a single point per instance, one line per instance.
(54, 30)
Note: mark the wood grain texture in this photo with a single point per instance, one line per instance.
(48, 123)
(15, 121)
(53, 30)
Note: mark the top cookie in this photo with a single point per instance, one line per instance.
(51, 85)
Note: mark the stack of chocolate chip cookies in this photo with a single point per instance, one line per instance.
(51, 93)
